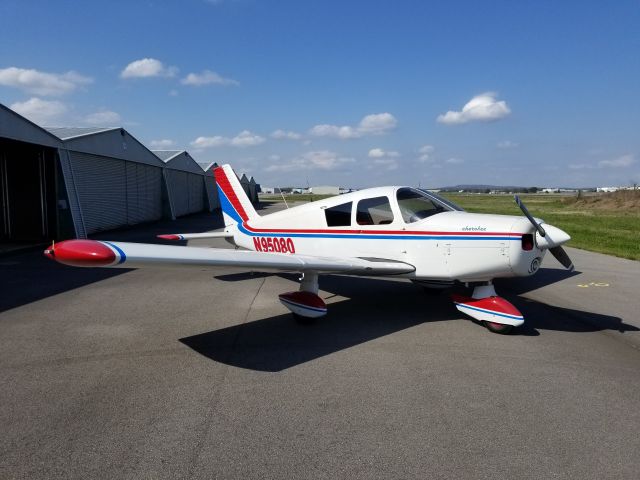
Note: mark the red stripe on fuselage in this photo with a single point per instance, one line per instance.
(224, 183)
(381, 232)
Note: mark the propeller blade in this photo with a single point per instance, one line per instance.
(530, 217)
(562, 257)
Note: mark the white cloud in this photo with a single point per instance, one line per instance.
(376, 153)
(380, 153)
(207, 77)
(206, 142)
(173, 92)
(620, 162)
(42, 83)
(316, 160)
(285, 135)
(374, 124)
(454, 161)
(343, 132)
(481, 108)
(243, 139)
(425, 153)
(148, 67)
(377, 123)
(39, 111)
(246, 139)
(104, 118)
(506, 144)
(165, 143)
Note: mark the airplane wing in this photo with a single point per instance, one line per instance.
(94, 253)
(191, 236)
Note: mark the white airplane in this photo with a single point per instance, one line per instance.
(388, 231)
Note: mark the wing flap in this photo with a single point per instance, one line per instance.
(191, 236)
(93, 253)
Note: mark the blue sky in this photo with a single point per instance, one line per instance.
(349, 93)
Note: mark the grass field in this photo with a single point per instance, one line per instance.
(605, 223)
(608, 223)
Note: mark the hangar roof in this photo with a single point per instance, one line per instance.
(16, 127)
(108, 142)
(208, 168)
(166, 155)
(179, 160)
(66, 133)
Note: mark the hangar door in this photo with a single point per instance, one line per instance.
(114, 193)
(187, 192)
(27, 192)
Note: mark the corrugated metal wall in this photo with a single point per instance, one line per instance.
(212, 192)
(114, 193)
(196, 193)
(186, 191)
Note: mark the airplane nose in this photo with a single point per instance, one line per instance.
(554, 237)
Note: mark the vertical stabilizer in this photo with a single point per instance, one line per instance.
(235, 204)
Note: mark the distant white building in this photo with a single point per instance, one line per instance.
(325, 190)
(607, 189)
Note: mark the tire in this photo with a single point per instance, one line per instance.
(300, 320)
(500, 328)
(434, 292)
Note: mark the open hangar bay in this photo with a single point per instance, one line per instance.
(203, 374)
(70, 182)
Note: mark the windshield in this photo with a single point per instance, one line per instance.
(443, 200)
(418, 204)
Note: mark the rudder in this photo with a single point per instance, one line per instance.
(235, 203)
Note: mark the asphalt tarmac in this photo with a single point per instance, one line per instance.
(199, 374)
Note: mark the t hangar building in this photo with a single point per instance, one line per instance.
(70, 182)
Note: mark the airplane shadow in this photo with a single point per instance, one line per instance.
(374, 308)
(277, 343)
(27, 277)
(544, 277)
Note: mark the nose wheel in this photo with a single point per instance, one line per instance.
(495, 313)
(500, 328)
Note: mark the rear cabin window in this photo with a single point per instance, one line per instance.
(339, 216)
(374, 211)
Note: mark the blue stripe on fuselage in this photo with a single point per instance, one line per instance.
(227, 208)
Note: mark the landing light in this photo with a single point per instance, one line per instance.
(527, 241)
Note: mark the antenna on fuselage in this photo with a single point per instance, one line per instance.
(283, 199)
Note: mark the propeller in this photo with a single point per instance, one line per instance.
(562, 257)
(556, 250)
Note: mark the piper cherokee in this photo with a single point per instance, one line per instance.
(386, 231)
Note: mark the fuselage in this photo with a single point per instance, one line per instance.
(445, 246)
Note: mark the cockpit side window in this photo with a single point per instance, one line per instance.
(374, 211)
(339, 216)
(416, 205)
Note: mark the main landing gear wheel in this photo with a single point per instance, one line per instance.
(497, 327)
(303, 320)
